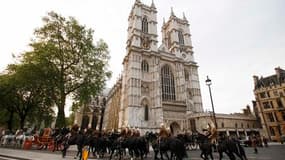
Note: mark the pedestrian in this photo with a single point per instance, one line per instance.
(254, 144)
(265, 141)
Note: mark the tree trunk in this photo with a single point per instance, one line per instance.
(60, 120)
(10, 121)
(22, 121)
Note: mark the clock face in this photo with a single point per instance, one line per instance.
(184, 55)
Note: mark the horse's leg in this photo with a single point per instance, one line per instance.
(231, 155)
(211, 155)
(221, 155)
(202, 155)
(161, 155)
(166, 155)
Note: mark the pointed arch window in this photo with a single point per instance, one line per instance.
(169, 39)
(144, 66)
(168, 86)
(146, 113)
(186, 73)
(144, 25)
(180, 38)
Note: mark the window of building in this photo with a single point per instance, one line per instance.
(168, 86)
(186, 73)
(169, 39)
(279, 103)
(270, 117)
(262, 95)
(275, 93)
(223, 125)
(241, 125)
(283, 115)
(271, 104)
(193, 125)
(144, 66)
(272, 132)
(146, 113)
(180, 38)
(236, 125)
(268, 94)
(247, 125)
(266, 105)
(144, 25)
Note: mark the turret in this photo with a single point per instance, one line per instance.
(176, 36)
(142, 28)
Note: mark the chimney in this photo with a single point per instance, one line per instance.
(278, 72)
(255, 80)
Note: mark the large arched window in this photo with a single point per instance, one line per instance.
(180, 38)
(144, 66)
(168, 86)
(144, 25)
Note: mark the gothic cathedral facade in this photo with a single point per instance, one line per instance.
(159, 84)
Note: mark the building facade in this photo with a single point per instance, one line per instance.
(238, 124)
(270, 103)
(159, 84)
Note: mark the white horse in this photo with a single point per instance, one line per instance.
(8, 139)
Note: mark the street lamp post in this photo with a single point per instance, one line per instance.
(209, 83)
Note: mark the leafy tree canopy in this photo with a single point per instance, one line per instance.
(70, 62)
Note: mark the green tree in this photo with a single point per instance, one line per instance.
(74, 64)
(6, 102)
(24, 93)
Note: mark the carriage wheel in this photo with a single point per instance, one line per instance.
(51, 146)
(40, 146)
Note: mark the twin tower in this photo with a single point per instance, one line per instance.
(159, 83)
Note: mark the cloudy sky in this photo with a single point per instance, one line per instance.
(232, 39)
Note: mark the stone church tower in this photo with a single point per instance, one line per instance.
(159, 84)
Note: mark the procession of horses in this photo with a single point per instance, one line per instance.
(128, 144)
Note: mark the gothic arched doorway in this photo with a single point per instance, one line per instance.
(174, 128)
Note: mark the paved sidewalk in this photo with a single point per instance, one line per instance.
(33, 154)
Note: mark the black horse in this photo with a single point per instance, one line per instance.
(78, 139)
(190, 141)
(230, 147)
(58, 137)
(205, 146)
(172, 144)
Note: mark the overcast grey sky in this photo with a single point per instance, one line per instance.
(232, 39)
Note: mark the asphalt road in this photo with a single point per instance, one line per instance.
(273, 152)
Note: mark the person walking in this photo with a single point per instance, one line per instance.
(254, 144)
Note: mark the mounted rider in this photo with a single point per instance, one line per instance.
(211, 133)
(163, 132)
(124, 131)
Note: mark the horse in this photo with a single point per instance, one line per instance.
(189, 141)
(78, 139)
(172, 144)
(116, 145)
(204, 145)
(98, 144)
(230, 147)
(58, 137)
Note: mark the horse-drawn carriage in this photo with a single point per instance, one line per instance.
(41, 141)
